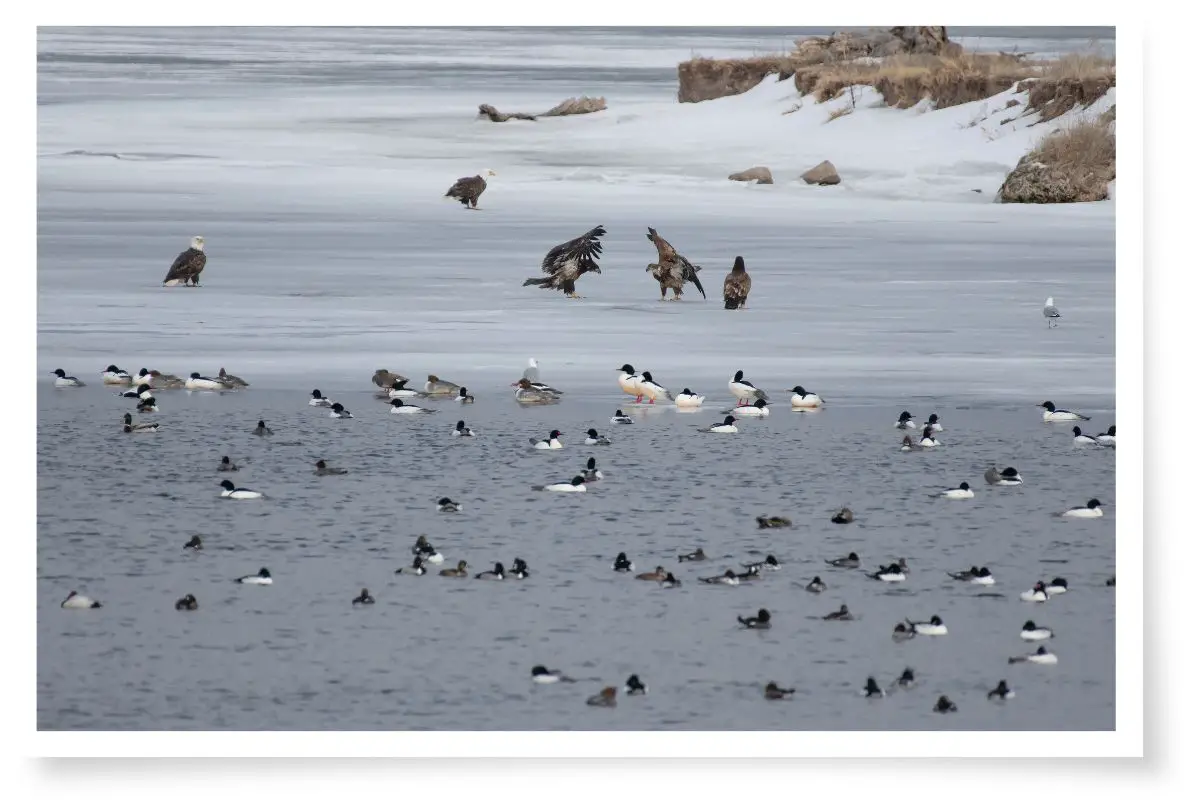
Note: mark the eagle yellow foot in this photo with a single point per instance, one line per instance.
(575, 296)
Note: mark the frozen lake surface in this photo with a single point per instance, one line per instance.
(313, 163)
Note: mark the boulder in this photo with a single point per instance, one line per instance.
(756, 174)
(822, 174)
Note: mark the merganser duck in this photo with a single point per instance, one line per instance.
(114, 375)
(594, 437)
(621, 418)
(262, 430)
(448, 505)
(696, 555)
(319, 400)
(730, 578)
(363, 599)
(66, 381)
(77, 600)
(935, 626)
(160, 380)
(187, 603)
(139, 427)
(547, 444)
(1108, 438)
(463, 397)
(458, 572)
(135, 391)
(519, 569)
(670, 582)
(981, 576)
(889, 574)
(689, 399)
(758, 409)
(744, 390)
(805, 400)
(654, 391)
(770, 563)
(434, 385)
(529, 395)
(541, 675)
(872, 689)
(198, 383)
(841, 615)
(496, 573)
(230, 491)
(143, 378)
(634, 686)
(944, 705)
(622, 563)
(1091, 511)
(227, 465)
(399, 390)
(338, 411)
(902, 633)
(1006, 477)
(1057, 586)
(843, 517)
(417, 567)
(575, 485)
(232, 381)
(933, 424)
(399, 407)
(1052, 414)
(1035, 595)
(906, 445)
(147, 405)
(849, 562)
(1001, 692)
(1082, 439)
(773, 522)
(726, 426)
(1042, 656)
(606, 699)
(531, 374)
(194, 543)
(1030, 632)
(461, 429)
(961, 492)
(928, 439)
(260, 578)
(590, 473)
(659, 574)
(773, 692)
(760, 622)
(325, 469)
(816, 585)
(628, 380)
(905, 420)
(385, 379)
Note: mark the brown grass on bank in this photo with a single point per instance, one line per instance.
(839, 112)
(1085, 147)
(1072, 165)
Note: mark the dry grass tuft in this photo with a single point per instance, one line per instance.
(1072, 165)
(840, 112)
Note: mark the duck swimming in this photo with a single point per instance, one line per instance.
(595, 438)
(816, 585)
(757, 409)
(606, 699)
(457, 572)
(338, 411)
(63, 380)
(1006, 477)
(576, 484)
(1052, 414)
(622, 563)
(841, 615)
(1001, 692)
(933, 424)
(461, 429)
(849, 562)
(621, 418)
(400, 407)
(1035, 595)
(944, 705)
(199, 383)
(416, 568)
(194, 543)
(232, 381)
(689, 399)
(262, 430)
(363, 599)
(805, 400)
(138, 427)
(226, 465)
(729, 578)
(760, 622)
(230, 491)
(529, 395)
(463, 397)
(872, 689)
(726, 426)
(447, 505)
(75, 600)
(325, 469)
(696, 555)
(961, 492)
(260, 578)
(659, 574)
(1030, 632)
(590, 473)
(114, 375)
(843, 517)
(906, 446)
(769, 563)
(773, 692)
(773, 522)
(1042, 656)
(496, 573)
(539, 674)
(981, 576)
(934, 627)
(187, 603)
(905, 420)
(634, 686)
(399, 390)
(1091, 511)
(551, 443)
(319, 400)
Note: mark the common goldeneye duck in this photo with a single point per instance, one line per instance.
(1108, 438)
(463, 397)
(187, 603)
(64, 380)
(497, 573)
(435, 385)
(1042, 656)
(659, 574)
(260, 578)
(816, 585)
(539, 674)
(576, 484)
(427, 552)
(1056, 586)
(944, 705)
(590, 473)
(774, 692)
(621, 418)
(634, 686)
(628, 380)
(725, 426)
(198, 382)
(849, 562)
(907, 679)
(226, 465)
(751, 574)
(872, 689)
(730, 578)
(1006, 477)
(769, 563)
(547, 444)
(417, 567)
(1035, 595)
(902, 633)
(594, 437)
(1111, 581)
(232, 381)
(905, 420)
(147, 405)
(689, 399)
(1052, 414)
(928, 440)
(519, 569)
(115, 375)
(902, 563)
(139, 427)
(461, 429)
(457, 572)
(399, 390)
(977, 575)
(841, 615)
(319, 400)
(696, 555)
(77, 600)
(194, 543)
(773, 522)
(935, 626)
(448, 505)
(803, 400)
(1030, 632)
(933, 424)
(843, 517)
(235, 493)
(606, 699)
(906, 445)
(757, 409)
(364, 599)
(744, 390)
(325, 469)
(262, 430)
(338, 411)
(889, 574)
(670, 582)
(622, 564)
(761, 620)
(1090, 511)
(962, 492)
(654, 391)
(1001, 692)
(1082, 439)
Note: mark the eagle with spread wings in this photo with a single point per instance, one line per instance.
(567, 262)
(672, 269)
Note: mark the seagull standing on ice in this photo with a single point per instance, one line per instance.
(1050, 312)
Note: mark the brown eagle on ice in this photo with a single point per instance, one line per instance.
(188, 265)
(672, 269)
(567, 262)
(737, 285)
(467, 190)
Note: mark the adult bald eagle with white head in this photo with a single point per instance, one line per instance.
(467, 190)
(188, 265)
(567, 262)
(672, 269)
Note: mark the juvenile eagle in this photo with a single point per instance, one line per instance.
(467, 190)
(188, 265)
(672, 269)
(737, 285)
(570, 260)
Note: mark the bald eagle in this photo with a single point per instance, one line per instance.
(188, 265)
(672, 269)
(468, 190)
(570, 260)
(737, 285)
